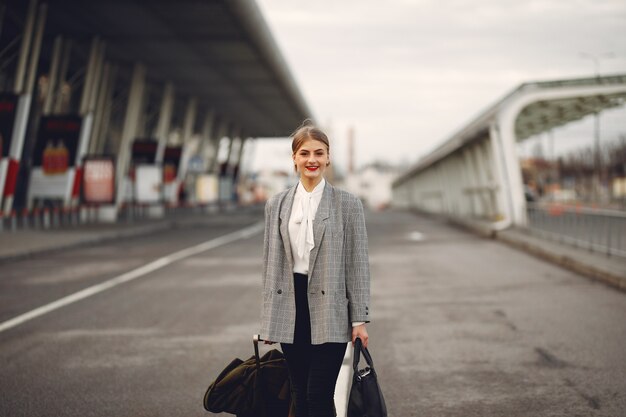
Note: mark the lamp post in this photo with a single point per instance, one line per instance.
(596, 122)
(596, 60)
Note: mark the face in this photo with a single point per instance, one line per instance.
(311, 159)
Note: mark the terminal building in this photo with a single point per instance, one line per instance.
(115, 103)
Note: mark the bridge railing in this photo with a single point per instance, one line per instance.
(598, 230)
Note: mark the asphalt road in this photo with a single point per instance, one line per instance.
(462, 326)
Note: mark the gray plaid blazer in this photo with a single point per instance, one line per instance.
(339, 276)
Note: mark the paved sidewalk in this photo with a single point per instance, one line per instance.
(610, 270)
(594, 265)
(25, 243)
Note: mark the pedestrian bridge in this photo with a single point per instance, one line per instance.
(475, 175)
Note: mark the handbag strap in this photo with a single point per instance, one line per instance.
(358, 348)
(255, 341)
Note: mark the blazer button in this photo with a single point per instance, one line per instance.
(279, 291)
(323, 292)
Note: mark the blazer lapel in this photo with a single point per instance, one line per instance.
(319, 224)
(285, 213)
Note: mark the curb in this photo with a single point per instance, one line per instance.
(567, 262)
(90, 241)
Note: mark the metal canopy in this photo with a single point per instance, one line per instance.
(537, 117)
(546, 115)
(220, 51)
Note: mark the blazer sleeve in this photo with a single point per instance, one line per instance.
(266, 238)
(357, 265)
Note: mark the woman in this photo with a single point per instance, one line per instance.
(316, 281)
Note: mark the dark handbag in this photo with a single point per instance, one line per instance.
(366, 398)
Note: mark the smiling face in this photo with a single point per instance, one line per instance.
(311, 160)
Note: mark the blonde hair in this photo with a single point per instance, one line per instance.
(307, 130)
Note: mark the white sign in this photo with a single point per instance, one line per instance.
(207, 188)
(148, 180)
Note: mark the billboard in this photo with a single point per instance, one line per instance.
(57, 143)
(148, 184)
(144, 151)
(99, 180)
(207, 188)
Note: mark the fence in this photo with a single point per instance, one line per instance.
(58, 217)
(598, 230)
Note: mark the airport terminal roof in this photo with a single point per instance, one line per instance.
(220, 51)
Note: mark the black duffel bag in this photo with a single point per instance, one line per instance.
(257, 387)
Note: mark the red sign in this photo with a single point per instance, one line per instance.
(99, 180)
(144, 151)
(57, 143)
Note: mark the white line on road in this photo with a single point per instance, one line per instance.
(131, 275)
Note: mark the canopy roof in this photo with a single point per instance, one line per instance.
(220, 51)
(545, 115)
(538, 116)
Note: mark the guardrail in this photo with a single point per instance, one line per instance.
(598, 230)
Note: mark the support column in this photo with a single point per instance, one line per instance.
(87, 109)
(20, 73)
(103, 121)
(105, 92)
(220, 131)
(161, 133)
(53, 76)
(165, 121)
(206, 140)
(24, 81)
(236, 168)
(188, 126)
(238, 158)
(234, 134)
(129, 131)
(65, 63)
(225, 180)
(503, 196)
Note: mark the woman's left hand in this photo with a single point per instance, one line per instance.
(361, 333)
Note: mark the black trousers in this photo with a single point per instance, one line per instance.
(313, 369)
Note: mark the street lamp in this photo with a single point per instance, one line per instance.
(596, 59)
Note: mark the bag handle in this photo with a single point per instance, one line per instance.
(358, 348)
(256, 338)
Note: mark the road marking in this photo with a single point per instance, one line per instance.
(134, 274)
(415, 236)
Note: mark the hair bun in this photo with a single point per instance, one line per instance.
(306, 123)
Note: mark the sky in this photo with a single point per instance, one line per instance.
(407, 74)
